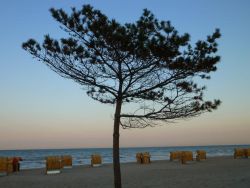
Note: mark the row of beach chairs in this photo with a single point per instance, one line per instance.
(54, 164)
(185, 156)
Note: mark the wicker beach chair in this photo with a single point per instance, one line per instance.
(10, 166)
(247, 152)
(66, 161)
(175, 155)
(186, 156)
(96, 160)
(239, 152)
(53, 165)
(146, 158)
(200, 155)
(139, 158)
(3, 166)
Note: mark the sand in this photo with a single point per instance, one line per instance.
(216, 172)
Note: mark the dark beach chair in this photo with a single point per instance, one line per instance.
(53, 165)
(143, 158)
(239, 152)
(175, 155)
(66, 161)
(201, 155)
(3, 166)
(139, 158)
(146, 158)
(186, 156)
(247, 152)
(96, 160)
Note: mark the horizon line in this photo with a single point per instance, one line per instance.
(126, 147)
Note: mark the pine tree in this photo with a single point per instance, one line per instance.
(147, 63)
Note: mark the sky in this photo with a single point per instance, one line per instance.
(39, 109)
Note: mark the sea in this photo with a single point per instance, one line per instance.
(35, 158)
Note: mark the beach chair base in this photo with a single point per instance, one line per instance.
(190, 162)
(67, 167)
(53, 172)
(96, 165)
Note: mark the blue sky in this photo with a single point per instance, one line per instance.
(39, 109)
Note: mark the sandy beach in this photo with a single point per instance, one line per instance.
(212, 173)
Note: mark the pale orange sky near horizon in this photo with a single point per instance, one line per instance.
(86, 130)
(39, 109)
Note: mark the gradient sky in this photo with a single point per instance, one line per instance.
(39, 109)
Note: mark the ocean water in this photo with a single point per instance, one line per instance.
(36, 158)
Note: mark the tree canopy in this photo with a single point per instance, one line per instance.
(147, 61)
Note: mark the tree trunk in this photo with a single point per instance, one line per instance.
(116, 154)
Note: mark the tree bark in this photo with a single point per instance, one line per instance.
(116, 147)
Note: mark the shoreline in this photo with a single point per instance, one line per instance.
(36, 158)
(134, 162)
(222, 171)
